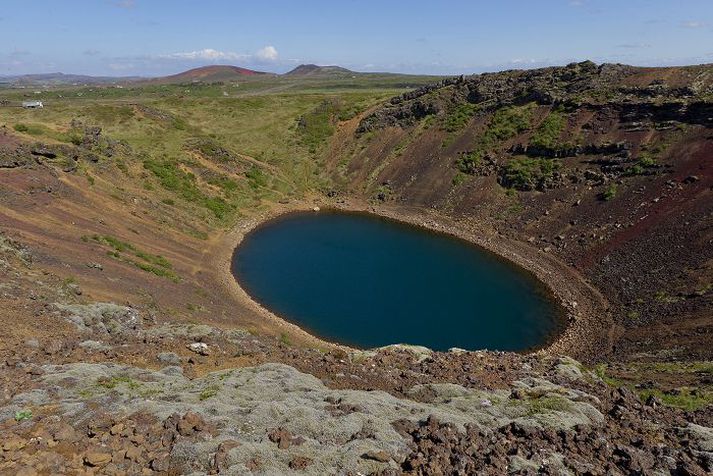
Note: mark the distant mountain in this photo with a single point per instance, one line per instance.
(210, 74)
(316, 70)
(60, 79)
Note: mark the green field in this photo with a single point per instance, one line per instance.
(210, 150)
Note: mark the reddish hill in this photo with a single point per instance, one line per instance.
(209, 74)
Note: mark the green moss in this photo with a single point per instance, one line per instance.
(548, 404)
(208, 392)
(113, 382)
(23, 415)
(318, 125)
(685, 398)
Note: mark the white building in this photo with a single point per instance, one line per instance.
(32, 104)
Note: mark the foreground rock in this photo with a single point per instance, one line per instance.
(273, 419)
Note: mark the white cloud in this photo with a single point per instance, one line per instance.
(693, 24)
(207, 54)
(91, 52)
(268, 53)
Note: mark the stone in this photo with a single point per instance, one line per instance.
(133, 453)
(377, 455)
(282, 437)
(32, 343)
(220, 460)
(14, 444)
(170, 358)
(200, 348)
(97, 458)
(299, 463)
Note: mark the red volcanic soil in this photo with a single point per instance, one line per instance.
(210, 74)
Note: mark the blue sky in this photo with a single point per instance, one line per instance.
(155, 37)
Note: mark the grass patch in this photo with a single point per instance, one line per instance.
(528, 174)
(113, 382)
(459, 117)
(285, 339)
(208, 392)
(504, 124)
(40, 130)
(601, 372)
(172, 178)
(458, 179)
(256, 177)
(547, 134)
(151, 263)
(610, 193)
(685, 398)
(318, 125)
(548, 404)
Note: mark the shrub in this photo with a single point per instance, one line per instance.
(547, 134)
(610, 193)
(528, 174)
(469, 162)
(459, 117)
(504, 124)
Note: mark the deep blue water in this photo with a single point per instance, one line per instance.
(366, 281)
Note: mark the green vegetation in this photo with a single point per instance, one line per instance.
(549, 404)
(601, 372)
(459, 117)
(173, 178)
(113, 382)
(458, 179)
(610, 192)
(528, 174)
(42, 131)
(194, 158)
(469, 162)
(155, 264)
(547, 134)
(685, 398)
(208, 392)
(285, 339)
(256, 178)
(505, 124)
(23, 415)
(641, 166)
(318, 125)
